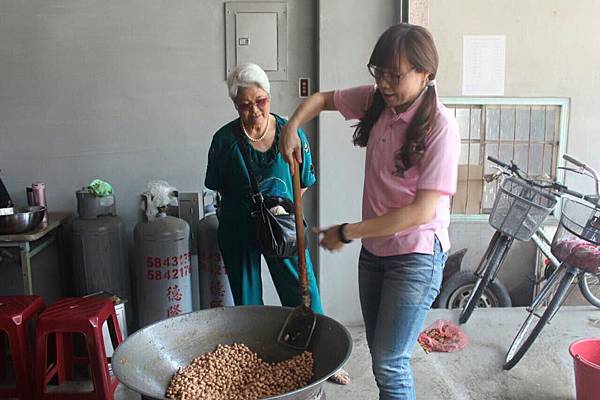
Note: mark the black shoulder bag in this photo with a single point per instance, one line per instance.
(275, 234)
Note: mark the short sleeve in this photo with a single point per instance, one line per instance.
(353, 103)
(308, 177)
(213, 176)
(439, 165)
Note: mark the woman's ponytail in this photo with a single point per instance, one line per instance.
(416, 134)
(363, 128)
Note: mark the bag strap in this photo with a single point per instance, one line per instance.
(256, 194)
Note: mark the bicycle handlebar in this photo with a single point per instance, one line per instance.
(574, 193)
(573, 160)
(496, 161)
(514, 168)
(583, 166)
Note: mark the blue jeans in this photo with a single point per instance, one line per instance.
(396, 292)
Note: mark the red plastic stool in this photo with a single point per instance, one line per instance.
(15, 313)
(65, 317)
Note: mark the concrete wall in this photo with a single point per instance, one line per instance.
(348, 31)
(126, 91)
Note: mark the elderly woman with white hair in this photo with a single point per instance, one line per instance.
(249, 89)
(259, 129)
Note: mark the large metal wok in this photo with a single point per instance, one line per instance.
(146, 361)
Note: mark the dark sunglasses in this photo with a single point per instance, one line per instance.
(247, 106)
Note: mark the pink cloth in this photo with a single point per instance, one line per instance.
(383, 191)
(578, 253)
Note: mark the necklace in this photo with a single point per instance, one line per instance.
(261, 137)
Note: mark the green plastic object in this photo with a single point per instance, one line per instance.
(100, 188)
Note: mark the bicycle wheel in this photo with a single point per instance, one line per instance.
(530, 331)
(589, 284)
(499, 249)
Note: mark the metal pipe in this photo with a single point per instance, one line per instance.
(403, 11)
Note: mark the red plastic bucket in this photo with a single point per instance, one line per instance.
(586, 359)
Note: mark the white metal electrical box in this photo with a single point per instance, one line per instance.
(257, 32)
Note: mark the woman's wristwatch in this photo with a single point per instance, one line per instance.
(343, 237)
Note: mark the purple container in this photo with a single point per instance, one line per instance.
(39, 198)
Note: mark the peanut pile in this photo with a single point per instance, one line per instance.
(234, 372)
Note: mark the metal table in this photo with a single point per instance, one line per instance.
(31, 243)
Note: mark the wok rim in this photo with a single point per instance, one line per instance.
(116, 367)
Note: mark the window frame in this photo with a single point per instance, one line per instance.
(563, 103)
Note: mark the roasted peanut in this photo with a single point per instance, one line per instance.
(235, 372)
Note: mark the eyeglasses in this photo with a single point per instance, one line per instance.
(389, 77)
(247, 106)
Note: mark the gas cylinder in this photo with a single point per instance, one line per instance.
(214, 284)
(163, 269)
(99, 250)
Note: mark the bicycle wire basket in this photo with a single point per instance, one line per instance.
(577, 239)
(520, 208)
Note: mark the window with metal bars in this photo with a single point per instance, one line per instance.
(527, 131)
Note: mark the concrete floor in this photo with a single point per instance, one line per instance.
(546, 371)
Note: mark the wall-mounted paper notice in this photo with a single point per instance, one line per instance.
(484, 59)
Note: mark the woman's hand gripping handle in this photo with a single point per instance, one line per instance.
(290, 146)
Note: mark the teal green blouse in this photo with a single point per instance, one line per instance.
(226, 171)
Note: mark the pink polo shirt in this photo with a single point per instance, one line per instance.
(383, 191)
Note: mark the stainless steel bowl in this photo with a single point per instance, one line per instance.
(147, 360)
(20, 219)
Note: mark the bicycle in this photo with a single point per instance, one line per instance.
(589, 284)
(520, 207)
(576, 245)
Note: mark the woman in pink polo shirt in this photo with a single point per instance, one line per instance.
(411, 166)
